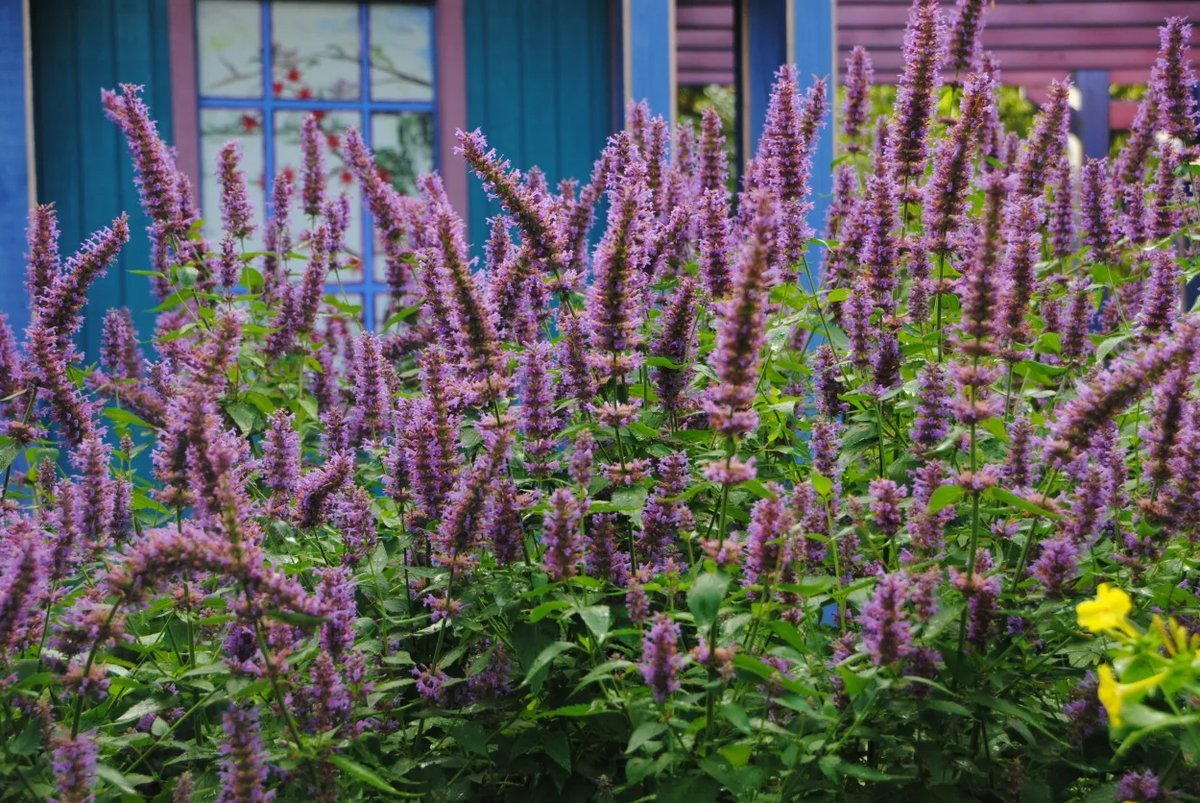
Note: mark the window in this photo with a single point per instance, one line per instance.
(369, 65)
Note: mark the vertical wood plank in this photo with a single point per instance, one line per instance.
(1090, 120)
(14, 161)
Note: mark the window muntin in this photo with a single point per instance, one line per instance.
(366, 64)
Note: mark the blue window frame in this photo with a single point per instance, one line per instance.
(366, 64)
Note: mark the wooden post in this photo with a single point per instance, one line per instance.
(1090, 120)
(16, 177)
(648, 54)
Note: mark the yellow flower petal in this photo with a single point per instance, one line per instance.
(1107, 611)
(1109, 694)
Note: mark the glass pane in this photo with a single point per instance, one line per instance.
(315, 52)
(218, 126)
(290, 157)
(383, 304)
(403, 145)
(229, 48)
(401, 52)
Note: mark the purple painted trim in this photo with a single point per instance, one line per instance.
(451, 96)
(185, 109)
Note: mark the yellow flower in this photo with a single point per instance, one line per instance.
(1113, 694)
(1107, 611)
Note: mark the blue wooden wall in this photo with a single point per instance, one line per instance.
(14, 168)
(540, 85)
(83, 165)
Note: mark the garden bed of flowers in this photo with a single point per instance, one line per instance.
(643, 513)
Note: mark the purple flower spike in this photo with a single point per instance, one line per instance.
(886, 634)
(924, 44)
(235, 207)
(243, 763)
(855, 109)
(1172, 82)
(661, 660)
(562, 536)
(313, 193)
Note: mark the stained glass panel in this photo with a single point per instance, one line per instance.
(218, 126)
(290, 157)
(229, 48)
(401, 52)
(315, 50)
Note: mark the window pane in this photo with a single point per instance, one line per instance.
(229, 43)
(403, 145)
(289, 156)
(401, 52)
(315, 50)
(218, 126)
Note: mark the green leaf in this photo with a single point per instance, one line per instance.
(821, 484)
(243, 415)
(736, 716)
(537, 670)
(1021, 503)
(644, 733)
(8, 451)
(558, 747)
(125, 783)
(704, 597)
(835, 769)
(472, 737)
(597, 618)
(365, 774)
(944, 496)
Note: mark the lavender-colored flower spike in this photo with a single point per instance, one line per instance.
(235, 207)
(1140, 787)
(1172, 81)
(313, 192)
(281, 458)
(153, 163)
(562, 535)
(615, 298)
(1047, 140)
(474, 322)
(947, 190)
(785, 157)
(932, 421)
(924, 44)
(714, 241)
(538, 232)
(1164, 216)
(965, 36)
(1055, 567)
(243, 764)
(770, 522)
(675, 342)
(42, 260)
(741, 332)
(74, 762)
(464, 514)
(1099, 213)
(859, 74)
(24, 575)
(1161, 296)
(1062, 212)
(886, 633)
(537, 419)
(714, 167)
(370, 417)
(1112, 389)
(661, 660)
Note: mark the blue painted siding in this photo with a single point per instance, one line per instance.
(14, 168)
(649, 25)
(540, 85)
(82, 163)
